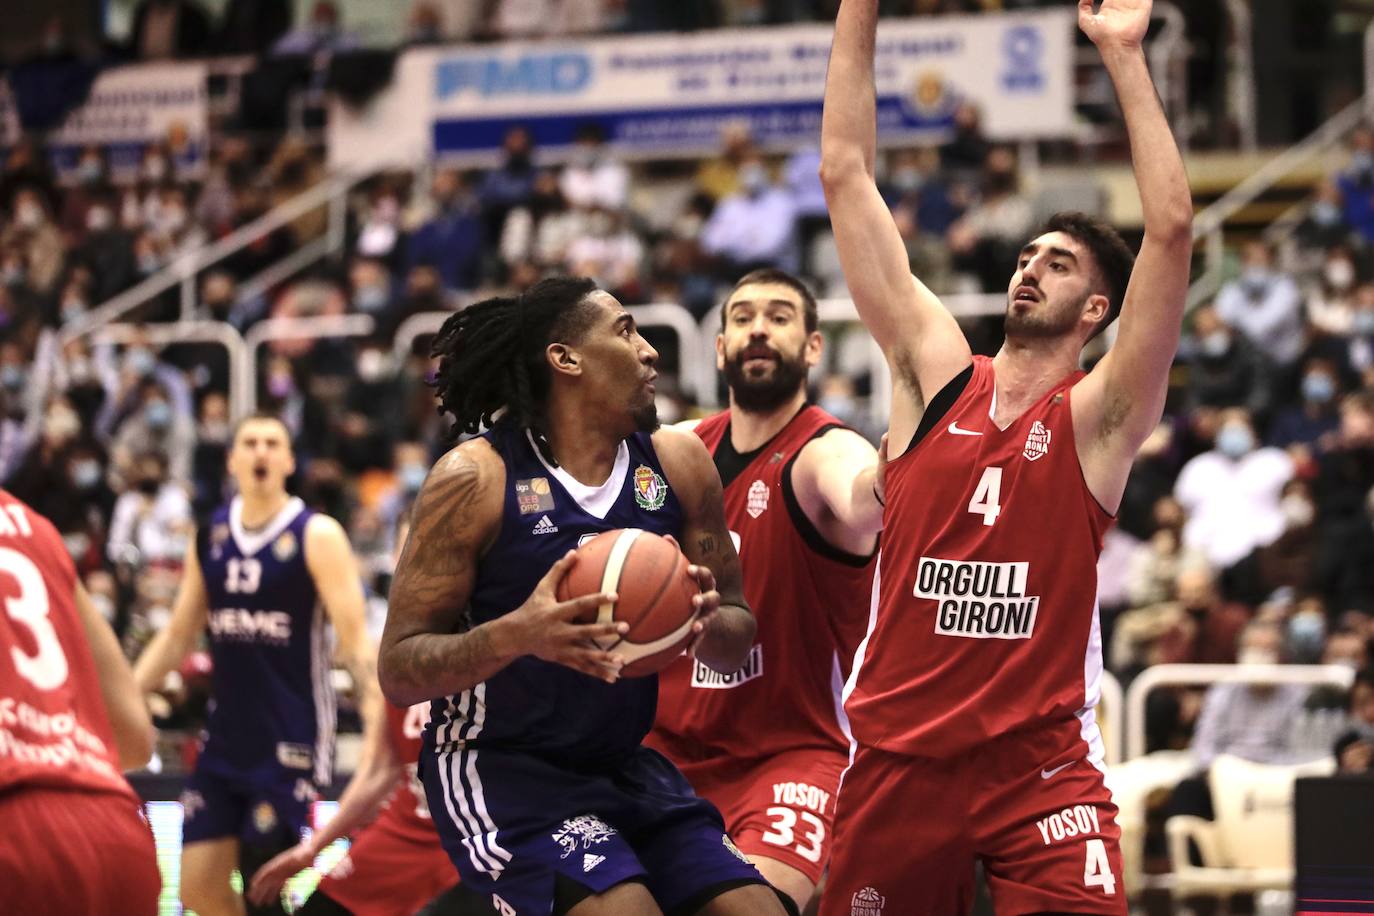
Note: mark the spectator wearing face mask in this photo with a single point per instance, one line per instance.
(594, 176)
(138, 365)
(990, 234)
(1324, 226)
(322, 33)
(1231, 493)
(1354, 750)
(452, 240)
(755, 227)
(1341, 487)
(1356, 184)
(152, 519)
(31, 230)
(155, 425)
(1358, 351)
(1315, 418)
(369, 422)
(1330, 302)
(410, 464)
(370, 290)
(611, 253)
(1224, 369)
(1290, 561)
(511, 184)
(106, 249)
(1265, 305)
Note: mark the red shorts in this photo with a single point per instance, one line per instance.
(781, 807)
(70, 851)
(1030, 805)
(389, 872)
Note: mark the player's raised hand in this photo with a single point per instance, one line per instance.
(550, 629)
(268, 880)
(1120, 23)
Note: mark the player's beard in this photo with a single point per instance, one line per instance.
(1046, 321)
(645, 417)
(761, 395)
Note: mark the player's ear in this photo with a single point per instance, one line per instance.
(815, 343)
(563, 358)
(720, 352)
(1097, 307)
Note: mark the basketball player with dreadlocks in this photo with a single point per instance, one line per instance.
(971, 702)
(542, 793)
(765, 743)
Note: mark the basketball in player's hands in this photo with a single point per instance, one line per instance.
(649, 574)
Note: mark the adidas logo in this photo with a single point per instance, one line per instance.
(590, 861)
(544, 526)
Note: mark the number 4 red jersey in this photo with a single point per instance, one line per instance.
(408, 811)
(54, 731)
(985, 617)
(810, 601)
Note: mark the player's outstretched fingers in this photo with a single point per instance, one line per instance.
(595, 632)
(583, 604)
(596, 663)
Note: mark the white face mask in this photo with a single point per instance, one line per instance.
(1340, 274)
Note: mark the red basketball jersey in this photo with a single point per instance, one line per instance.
(986, 600)
(809, 598)
(54, 731)
(408, 812)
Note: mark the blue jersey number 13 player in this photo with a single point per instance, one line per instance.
(532, 763)
(262, 576)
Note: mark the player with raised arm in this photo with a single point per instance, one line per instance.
(972, 699)
(532, 763)
(75, 838)
(395, 865)
(765, 743)
(264, 576)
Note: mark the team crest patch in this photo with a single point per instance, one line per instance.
(866, 902)
(284, 547)
(757, 501)
(264, 817)
(585, 831)
(1037, 443)
(533, 495)
(730, 845)
(651, 490)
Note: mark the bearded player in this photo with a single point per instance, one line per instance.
(75, 839)
(264, 577)
(972, 699)
(801, 496)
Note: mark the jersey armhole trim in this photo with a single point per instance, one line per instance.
(939, 406)
(809, 535)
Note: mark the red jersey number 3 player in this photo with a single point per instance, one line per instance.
(764, 743)
(74, 838)
(972, 699)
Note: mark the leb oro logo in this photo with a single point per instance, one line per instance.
(651, 490)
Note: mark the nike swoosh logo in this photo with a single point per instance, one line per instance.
(954, 430)
(1046, 774)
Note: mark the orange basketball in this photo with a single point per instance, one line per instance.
(649, 576)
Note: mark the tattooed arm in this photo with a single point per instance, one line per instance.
(456, 518)
(726, 627)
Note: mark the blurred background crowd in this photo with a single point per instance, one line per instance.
(1247, 529)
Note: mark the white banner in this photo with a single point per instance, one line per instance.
(665, 95)
(128, 108)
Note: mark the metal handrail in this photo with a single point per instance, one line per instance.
(330, 192)
(1178, 675)
(312, 327)
(1242, 76)
(1208, 226)
(219, 332)
(418, 325)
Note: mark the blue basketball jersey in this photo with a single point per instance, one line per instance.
(272, 705)
(532, 705)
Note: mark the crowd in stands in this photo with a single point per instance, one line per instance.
(1246, 533)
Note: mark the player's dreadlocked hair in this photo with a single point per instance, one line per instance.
(491, 354)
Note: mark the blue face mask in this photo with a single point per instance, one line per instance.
(141, 361)
(86, 474)
(1306, 637)
(1326, 213)
(412, 477)
(1257, 278)
(370, 298)
(1362, 161)
(1216, 344)
(158, 414)
(12, 377)
(1318, 387)
(1235, 440)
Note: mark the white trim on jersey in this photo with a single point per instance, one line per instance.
(596, 501)
(858, 662)
(325, 700)
(1092, 692)
(250, 542)
(471, 815)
